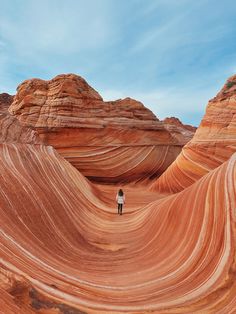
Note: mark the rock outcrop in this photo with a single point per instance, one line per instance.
(212, 144)
(11, 130)
(116, 141)
(5, 101)
(179, 130)
(176, 122)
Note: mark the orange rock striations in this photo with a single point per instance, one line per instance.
(213, 143)
(117, 141)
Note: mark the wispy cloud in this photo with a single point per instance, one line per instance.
(56, 27)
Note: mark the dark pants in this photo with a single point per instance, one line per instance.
(120, 208)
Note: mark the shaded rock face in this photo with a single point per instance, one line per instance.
(5, 101)
(70, 115)
(212, 144)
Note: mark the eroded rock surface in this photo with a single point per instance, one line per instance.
(115, 141)
(212, 144)
(5, 101)
(11, 130)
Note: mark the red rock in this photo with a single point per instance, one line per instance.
(182, 132)
(213, 143)
(178, 123)
(124, 137)
(5, 101)
(11, 130)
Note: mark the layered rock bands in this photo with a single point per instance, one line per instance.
(116, 141)
(213, 143)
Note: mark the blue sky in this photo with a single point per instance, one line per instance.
(173, 55)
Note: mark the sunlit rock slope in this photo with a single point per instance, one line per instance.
(213, 143)
(64, 249)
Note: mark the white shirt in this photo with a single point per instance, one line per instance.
(120, 199)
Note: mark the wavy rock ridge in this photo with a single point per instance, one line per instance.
(212, 144)
(63, 248)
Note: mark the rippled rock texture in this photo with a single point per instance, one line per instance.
(64, 249)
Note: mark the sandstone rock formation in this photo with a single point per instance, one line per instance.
(178, 129)
(63, 248)
(11, 130)
(213, 143)
(115, 141)
(176, 122)
(5, 101)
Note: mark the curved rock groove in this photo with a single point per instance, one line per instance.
(63, 235)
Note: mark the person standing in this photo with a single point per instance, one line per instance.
(120, 198)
